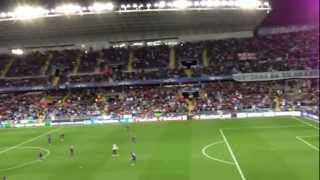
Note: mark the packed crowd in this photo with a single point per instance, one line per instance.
(278, 52)
(144, 101)
(28, 65)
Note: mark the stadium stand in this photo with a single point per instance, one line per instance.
(143, 101)
(280, 52)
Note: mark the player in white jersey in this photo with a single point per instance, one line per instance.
(115, 150)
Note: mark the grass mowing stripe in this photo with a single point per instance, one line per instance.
(307, 143)
(27, 141)
(232, 155)
(309, 124)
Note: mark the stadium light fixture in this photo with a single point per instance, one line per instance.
(170, 4)
(149, 5)
(69, 9)
(18, 52)
(128, 6)
(224, 3)
(31, 12)
(231, 3)
(100, 7)
(216, 3)
(156, 5)
(28, 12)
(83, 9)
(123, 7)
(162, 4)
(248, 4)
(182, 4)
(196, 3)
(202, 3)
(210, 3)
(135, 5)
(3, 15)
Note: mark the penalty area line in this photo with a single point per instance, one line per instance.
(307, 143)
(232, 155)
(306, 123)
(21, 165)
(28, 141)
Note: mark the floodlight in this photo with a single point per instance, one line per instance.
(85, 8)
(231, 3)
(248, 4)
(196, 3)
(209, 3)
(128, 6)
(224, 3)
(169, 4)
(216, 3)
(182, 4)
(266, 4)
(28, 12)
(17, 51)
(3, 15)
(156, 4)
(162, 4)
(68, 9)
(98, 7)
(135, 5)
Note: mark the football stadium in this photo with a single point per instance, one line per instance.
(159, 89)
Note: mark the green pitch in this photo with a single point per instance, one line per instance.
(238, 149)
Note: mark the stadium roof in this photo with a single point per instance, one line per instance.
(117, 26)
(128, 24)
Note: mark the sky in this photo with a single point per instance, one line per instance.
(282, 9)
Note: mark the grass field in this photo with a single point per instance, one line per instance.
(239, 149)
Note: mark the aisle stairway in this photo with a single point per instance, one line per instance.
(130, 61)
(7, 68)
(77, 65)
(45, 68)
(172, 58)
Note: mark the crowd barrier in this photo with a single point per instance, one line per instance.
(132, 119)
(310, 116)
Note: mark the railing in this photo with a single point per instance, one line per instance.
(280, 75)
(112, 84)
(244, 77)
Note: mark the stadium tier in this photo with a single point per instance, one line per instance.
(280, 52)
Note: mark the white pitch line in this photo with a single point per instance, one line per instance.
(232, 155)
(27, 141)
(204, 152)
(30, 162)
(306, 123)
(307, 143)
